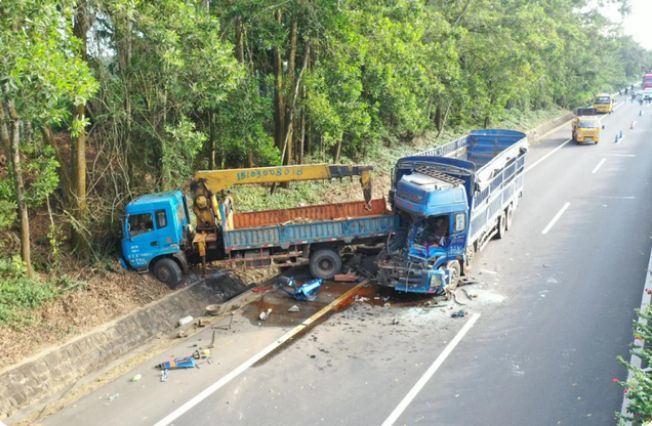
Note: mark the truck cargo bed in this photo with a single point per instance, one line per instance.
(284, 236)
(309, 214)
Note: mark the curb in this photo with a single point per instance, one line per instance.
(80, 365)
(635, 361)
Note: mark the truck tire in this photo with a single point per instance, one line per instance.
(509, 215)
(501, 227)
(168, 271)
(456, 270)
(325, 263)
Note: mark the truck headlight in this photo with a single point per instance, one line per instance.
(436, 281)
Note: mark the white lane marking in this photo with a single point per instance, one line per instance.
(400, 408)
(618, 197)
(596, 168)
(645, 301)
(536, 163)
(555, 219)
(254, 359)
(618, 106)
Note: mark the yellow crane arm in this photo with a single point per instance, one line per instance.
(220, 180)
(208, 183)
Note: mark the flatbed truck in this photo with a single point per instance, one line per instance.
(158, 235)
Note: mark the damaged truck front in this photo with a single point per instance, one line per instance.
(451, 200)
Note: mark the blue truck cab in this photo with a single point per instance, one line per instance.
(155, 234)
(451, 200)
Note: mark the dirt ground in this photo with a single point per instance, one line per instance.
(104, 297)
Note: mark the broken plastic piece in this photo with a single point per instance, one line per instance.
(304, 292)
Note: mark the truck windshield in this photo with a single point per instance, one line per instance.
(140, 223)
(588, 125)
(602, 100)
(433, 231)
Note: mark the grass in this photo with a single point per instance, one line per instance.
(18, 292)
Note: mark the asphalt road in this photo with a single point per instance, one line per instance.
(555, 311)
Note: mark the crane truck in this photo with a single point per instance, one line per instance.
(158, 235)
(451, 201)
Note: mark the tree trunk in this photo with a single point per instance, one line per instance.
(291, 80)
(239, 40)
(4, 132)
(279, 110)
(25, 251)
(302, 138)
(338, 151)
(79, 166)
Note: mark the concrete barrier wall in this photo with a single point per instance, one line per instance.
(57, 369)
(536, 134)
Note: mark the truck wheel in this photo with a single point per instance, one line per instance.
(509, 214)
(168, 271)
(502, 227)
(325, 263)
(456, 271)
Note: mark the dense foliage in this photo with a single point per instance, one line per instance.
(638, 387)
(103, 100)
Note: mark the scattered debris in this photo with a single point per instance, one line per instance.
(213, 309)
(458, 314)
(387, 305)
(185, 320)
(293, 308)
(265, 314)
(348, 278)
(181, 334)
(360, 299)
(177, 363)
(201, 353)
(114, 396)
(164, 376)
(212, 341)
(136, 378)
(395, 321)
(305, 292)
(200, 324)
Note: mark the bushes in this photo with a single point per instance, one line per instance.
(17, 292)
(638, 388)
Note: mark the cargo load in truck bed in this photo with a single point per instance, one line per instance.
(310, 214)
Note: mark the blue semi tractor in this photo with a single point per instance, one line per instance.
(451, 200)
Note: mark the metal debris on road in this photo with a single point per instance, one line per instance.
(177, 363)
(345, 277)
(458, 314)
(305, 292)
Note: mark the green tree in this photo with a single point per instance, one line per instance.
(40, 76)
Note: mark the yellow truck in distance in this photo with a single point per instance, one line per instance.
(603, 103)
(586, 128)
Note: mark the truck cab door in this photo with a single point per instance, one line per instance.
(459, 232)
(141, 241)
(164, 233)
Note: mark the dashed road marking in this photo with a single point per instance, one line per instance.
(556, 218)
